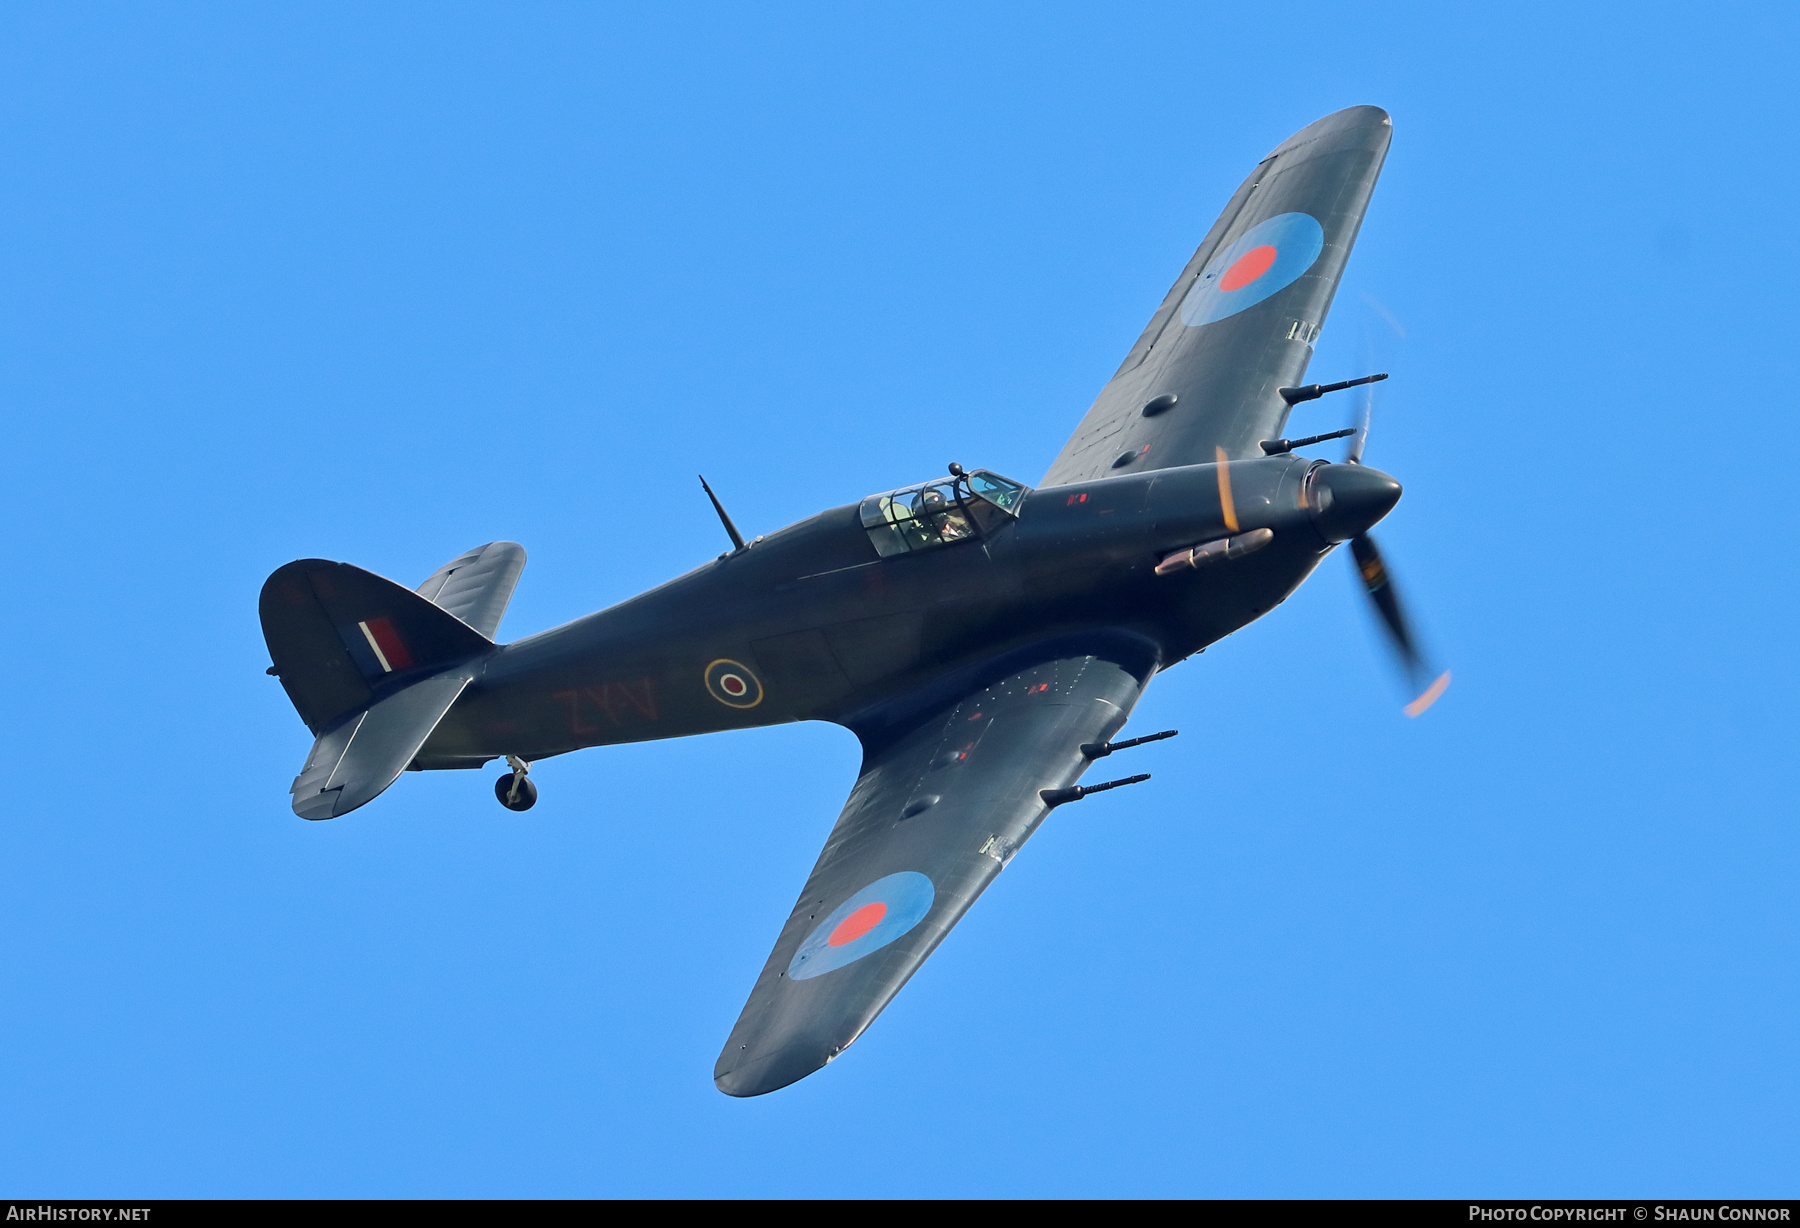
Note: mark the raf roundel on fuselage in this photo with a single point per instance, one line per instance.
(1269, 256)
(733, 684)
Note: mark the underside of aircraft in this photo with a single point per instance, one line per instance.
(985, 640)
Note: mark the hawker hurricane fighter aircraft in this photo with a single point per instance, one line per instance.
(985, 640)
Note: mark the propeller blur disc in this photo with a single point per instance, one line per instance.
(1372, 569)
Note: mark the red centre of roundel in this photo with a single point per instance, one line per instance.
(733, 684)
(857, 924)
(1248, 267)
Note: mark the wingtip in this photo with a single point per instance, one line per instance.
(760, 1076)
(753, 1066)
(1350, 119)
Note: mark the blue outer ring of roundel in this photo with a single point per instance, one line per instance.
(1297, 239)
(908, 897)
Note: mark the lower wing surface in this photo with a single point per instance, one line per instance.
(934, 816)
(1239, 323)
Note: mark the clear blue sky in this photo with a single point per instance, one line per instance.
(379, 283)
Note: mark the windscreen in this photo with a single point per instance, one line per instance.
(941, 513)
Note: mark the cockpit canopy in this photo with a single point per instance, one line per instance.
(938, 513)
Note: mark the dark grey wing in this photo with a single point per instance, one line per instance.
(1241, 319)
(936, 813)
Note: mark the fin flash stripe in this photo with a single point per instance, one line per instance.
(390, 650)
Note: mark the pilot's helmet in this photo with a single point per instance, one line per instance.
(931, 501)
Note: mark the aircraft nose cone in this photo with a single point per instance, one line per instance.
(1349, 499)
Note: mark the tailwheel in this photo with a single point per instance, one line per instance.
(515, 790)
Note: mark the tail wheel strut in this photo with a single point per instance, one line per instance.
(515, 790)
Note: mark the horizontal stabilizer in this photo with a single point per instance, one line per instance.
(353, 763)
(476, 586)
(341, 637)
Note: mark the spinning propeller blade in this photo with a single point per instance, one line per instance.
(1360, 440)
(1427, 683)
(1376, 342)
(1225, 504)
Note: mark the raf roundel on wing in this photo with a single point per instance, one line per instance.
(875, 916)
(1271, 255)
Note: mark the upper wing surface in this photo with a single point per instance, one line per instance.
(934, 816)
(1240, 321)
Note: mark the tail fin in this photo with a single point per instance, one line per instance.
(476, 586)
(372, 667)
(342, 637)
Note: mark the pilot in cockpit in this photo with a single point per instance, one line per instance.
(947, 519)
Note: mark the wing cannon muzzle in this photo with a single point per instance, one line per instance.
(1074, 793)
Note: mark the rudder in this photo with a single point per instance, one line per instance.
(342, 638)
